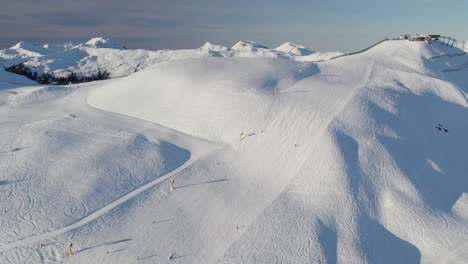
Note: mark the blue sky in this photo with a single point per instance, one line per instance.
(326, 25)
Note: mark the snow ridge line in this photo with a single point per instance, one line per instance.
(351, 53)
(98, 213)
(447, 55)
(360, 51)
(27, 84)
(457, 69)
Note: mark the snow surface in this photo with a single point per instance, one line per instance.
(463, 45)
(11, 78)
(102, 54)
(103, 43)
(360, 159)
(290, 47)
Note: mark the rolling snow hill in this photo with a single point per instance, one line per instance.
(359, 159)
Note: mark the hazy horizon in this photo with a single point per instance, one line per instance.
(336, 25)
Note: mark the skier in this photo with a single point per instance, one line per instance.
(241, 136)
(172, 184)
(70, 251)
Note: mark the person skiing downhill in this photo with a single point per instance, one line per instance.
(70, 251)
(172, 185)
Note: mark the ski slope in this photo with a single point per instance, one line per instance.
(359, 159)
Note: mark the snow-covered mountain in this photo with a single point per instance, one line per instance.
(292, 48)
(248, 46)
(103, 43)
(359, 159)
(102, 54)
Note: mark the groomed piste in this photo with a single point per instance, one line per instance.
(358, 159)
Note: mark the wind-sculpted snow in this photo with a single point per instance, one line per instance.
(360, 159)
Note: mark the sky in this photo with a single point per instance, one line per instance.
(320, 25)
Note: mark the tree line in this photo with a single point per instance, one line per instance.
(49, 78)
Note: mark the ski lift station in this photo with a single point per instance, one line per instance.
(428, 38)
(418, 37)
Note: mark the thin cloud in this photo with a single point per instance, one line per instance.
(184, 24)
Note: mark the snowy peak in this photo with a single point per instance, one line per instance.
(248, 46)
(26, 46)
(212, 47)
(86, 59)
(36, 50)
(214, 50)
(295, 49)
(103, 43)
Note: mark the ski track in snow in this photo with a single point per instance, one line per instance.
(96, 214)
(451, 254)
(77, 104)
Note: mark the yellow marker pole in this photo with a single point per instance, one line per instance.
(240, 136)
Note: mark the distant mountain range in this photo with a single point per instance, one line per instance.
(102, 55)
